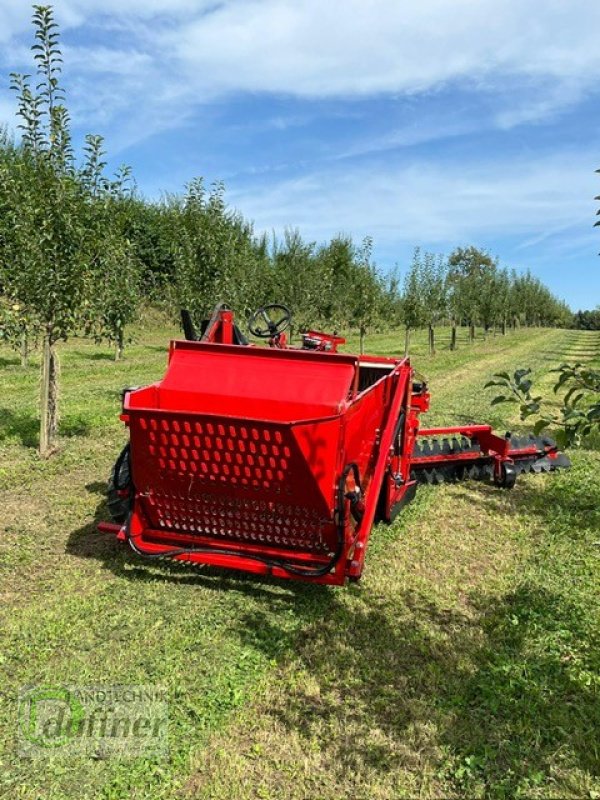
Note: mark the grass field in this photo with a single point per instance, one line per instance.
(465, 664)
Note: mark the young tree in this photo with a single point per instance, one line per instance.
(42, 269)
(488, 303)
(412, 302)
(514, 303)
(45, 271)
(433, 294)
(503, 305)
(46, 263)
(469, 270)
(115, 273)
(391, 301)
(366, 297)
(335, 268)
(16, 324)
(214, 255)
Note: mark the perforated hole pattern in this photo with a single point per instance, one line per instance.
(228, 480)
(244, 455)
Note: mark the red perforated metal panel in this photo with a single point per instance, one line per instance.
(234, 479)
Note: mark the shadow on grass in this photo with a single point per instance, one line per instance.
(21, 425)
(157, 348)
(569, 356)
(74, 425)
(406, 684)
(91, 356)
(25, 426)
(10, 362)
(497, 700)
(484, 695)
(116, 556)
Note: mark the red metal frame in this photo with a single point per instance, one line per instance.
(220, 327)
(322, 341)
(276, 460)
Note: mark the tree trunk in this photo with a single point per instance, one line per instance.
(471, 332)
(431, 341)
(24, 350)
(48, 398)
(453, 336)
(119, 346)
(361, 344)
(504, 327)
(407, 342)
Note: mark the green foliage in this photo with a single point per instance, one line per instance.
(480, 292)
(63, 249)
(16, 328)
(535, 305)
(391, 310)
(41, 263)
(335, 269)
(503, 296)
(470, 279)
(214, 255)
(64, 261)
(295, 277)
(114, 276)
(586, 320)
(425, 295)
(433, 288)
(365, 305)
(579, 414)
(413, 302)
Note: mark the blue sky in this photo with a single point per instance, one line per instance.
(436, 123)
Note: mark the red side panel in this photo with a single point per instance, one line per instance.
(253, 382)
(236, 479)
(363, 422)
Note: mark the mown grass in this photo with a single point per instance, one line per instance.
(466, 662)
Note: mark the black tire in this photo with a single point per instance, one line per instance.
(509, 477)
(118, 504)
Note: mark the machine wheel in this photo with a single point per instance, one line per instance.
(508, 478)
(116, 500)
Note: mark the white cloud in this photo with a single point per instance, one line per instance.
(539, 104)
(415, 134)
(433, 203)
(13, 18)
(7, 112)
(351, 48)
(15, 15)
(341, 48)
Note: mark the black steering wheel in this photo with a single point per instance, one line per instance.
(275, 319)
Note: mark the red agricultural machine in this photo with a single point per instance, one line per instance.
(278, 460)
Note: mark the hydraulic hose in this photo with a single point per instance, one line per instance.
(308, 572)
